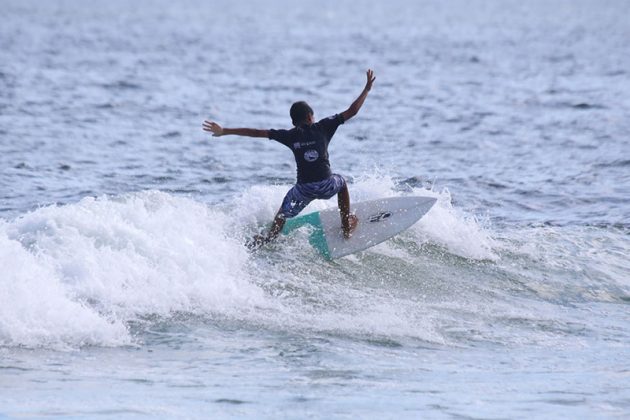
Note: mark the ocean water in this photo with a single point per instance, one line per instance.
(126, 292)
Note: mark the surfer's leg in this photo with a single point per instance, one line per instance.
(293, 203)
(276, 227)
(348, 220)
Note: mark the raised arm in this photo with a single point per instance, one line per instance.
(218, 131)
(358, 103)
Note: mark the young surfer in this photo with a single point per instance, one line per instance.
(308, 140)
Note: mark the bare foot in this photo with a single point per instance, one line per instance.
(256, 242)
(352, 222)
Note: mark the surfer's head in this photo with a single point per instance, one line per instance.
(301, 113)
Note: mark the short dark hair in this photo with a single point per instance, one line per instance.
(299, 112)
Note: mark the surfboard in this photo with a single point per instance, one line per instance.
(378, 220)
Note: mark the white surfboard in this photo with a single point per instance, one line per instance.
(379, 220)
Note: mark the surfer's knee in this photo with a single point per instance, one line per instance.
(291, 208)
(340, 181)
(294, 202)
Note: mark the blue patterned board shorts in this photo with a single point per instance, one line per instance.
(301, 195)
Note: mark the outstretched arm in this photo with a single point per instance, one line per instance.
(358, 103)
(218, 131)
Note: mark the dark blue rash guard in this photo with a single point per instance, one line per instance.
(309, 144)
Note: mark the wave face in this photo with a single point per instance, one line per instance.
(122, 222)
(103, 271)
(80, 273)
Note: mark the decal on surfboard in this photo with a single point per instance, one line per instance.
(379, 217)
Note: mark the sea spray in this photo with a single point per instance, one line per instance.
(82, 273)
(38, 309)
(113, 259)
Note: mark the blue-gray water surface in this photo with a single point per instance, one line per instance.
(126, 292)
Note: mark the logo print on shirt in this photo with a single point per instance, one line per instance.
(311, 155)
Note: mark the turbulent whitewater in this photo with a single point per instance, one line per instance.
(125, 288)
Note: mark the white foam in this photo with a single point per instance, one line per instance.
(77, 273)
(461, 234)
(80, 273)
(38, 310)
(443, 225)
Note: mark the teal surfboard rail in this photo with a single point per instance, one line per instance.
(317, 238)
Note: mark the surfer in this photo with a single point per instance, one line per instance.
(308, 140)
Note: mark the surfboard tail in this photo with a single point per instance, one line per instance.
(294, 223)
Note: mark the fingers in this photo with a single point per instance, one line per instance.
(211, 126)
(370, 79)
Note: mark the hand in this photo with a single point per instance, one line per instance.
(213, 127)
(370, 79)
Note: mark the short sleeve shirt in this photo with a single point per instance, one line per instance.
(309, 144)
